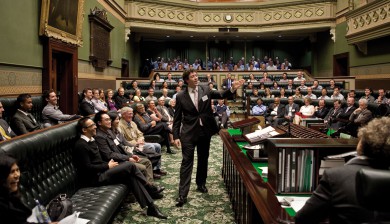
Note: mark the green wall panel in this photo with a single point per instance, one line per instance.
(19, 36)
(117, 36)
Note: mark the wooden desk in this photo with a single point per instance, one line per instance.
(253, 200)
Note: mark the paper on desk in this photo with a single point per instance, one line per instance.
(73, 219)
(264, 171)
(296, 202)
(260, 132)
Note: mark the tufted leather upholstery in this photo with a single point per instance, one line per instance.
(9, 105)
(45, 159)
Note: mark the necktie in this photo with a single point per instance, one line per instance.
(195, 91)
(32, 118)
(2, 132)
(229, 83)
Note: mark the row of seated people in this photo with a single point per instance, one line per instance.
(349, 115)
(379, 96)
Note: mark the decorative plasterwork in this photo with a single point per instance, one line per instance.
(368, 22)
(258, 16)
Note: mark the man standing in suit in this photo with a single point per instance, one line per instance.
(275, 113)
(92, 170)
(291, 109)
(193, 126)
(23, 121)
(86, 105)
(227, 83)
(6, 132)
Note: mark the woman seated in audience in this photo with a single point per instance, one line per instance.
(267, 93)
(157, 76)
(275, 85)
(297, 94)
(306, 111)
(324, 94)
(12, 209)
(335, 197)
(97, 103)
(153, 85)
(250, 85)
(164, 85)
(262, 86)
(110, 102)
(102, 96)
(137, 96)
(134, 85)
(282, 93)
(252, 78)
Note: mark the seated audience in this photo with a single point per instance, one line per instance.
(324, 95)
(93, 170)
(290, 84)
(110, 102)
(321, 111)
(151, 127)
(310, 94)
(346, 113)
(283, 93)
(336, 94)
(169, 78)
(51, 114)
(227, 83)
(284, 78)
(150, 95)
(331, 119)
(297, 94)
(23, 121)
(97, 103)
(275, 86)
(335, 197)
(221, 113)
(113, 146)
(302, 86)
(265, 78)
(368, 96)
(177, 89)
(316, 86)
(352, 93)
(153, 85)
(382, 97)
(5, 130)
(121, 100)
(209, 78)
(134, 136)
(306, 111)
(137, 96)
(259, 109)
(251, 78)
(275, 113)
(165, 94)
(164, 85)
(299, 77)
(291, 109)
(211, 86)
(86, 107)
(12, 208)
(359, 117)
(153, 112)
(331, 84)
(171, 108)
(255, 93)
(267, 93)
(163, 110)
(134, 85)
(157, 77)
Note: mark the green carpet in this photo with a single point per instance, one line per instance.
(213, 207)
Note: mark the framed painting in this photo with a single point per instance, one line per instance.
(63, 20)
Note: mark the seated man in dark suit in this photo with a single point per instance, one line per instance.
(275, 113)
(86, 107)
(346, 113)
(92, 170)
(23, 121)
(291, 109)
(359, 117)
(111, 147)
(6, 132)
(331, 119)
(151, 127)
(121, 99)
(321, 111)
(335, 197)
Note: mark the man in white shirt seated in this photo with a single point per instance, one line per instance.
(299, 77)
(310, 94)
(336, 94)
(221, 113)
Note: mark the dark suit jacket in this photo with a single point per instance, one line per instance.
(171, 111)
(225, 83)
(279, 113)
(86, 108)
(294, 107)
(361, 118)
(187, 115)
(22, 124)
(331, 117)
(7, 129)
(108, 148)
(321, 113)
(335, 196)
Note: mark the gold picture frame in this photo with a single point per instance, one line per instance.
(63, 20)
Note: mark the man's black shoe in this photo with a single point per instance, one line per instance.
(154, 189)
(202, 188)
(156, 195)
(181, 201)
(155, 212)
